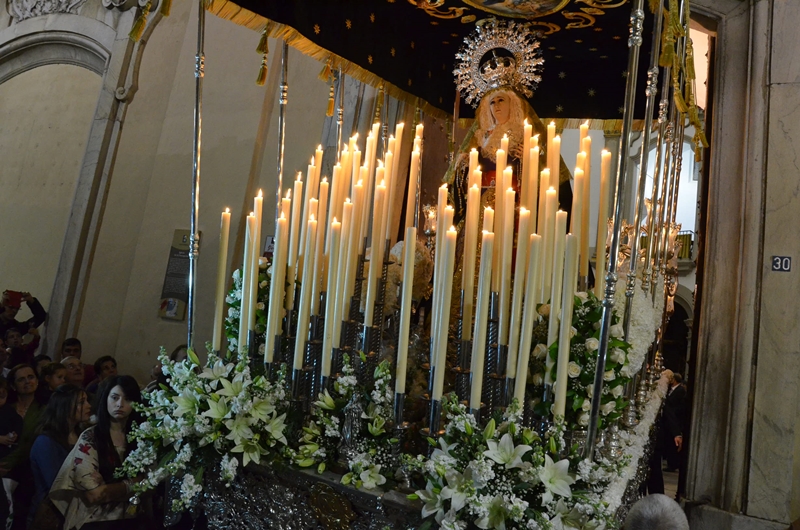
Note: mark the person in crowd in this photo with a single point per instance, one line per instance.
(72, 347)
(673, 421)
(656, 512)
(51, 376)
(8, 437)
(179, 353)
(85, 490)
(24, 411)
(58, 432)
(10, 304)
(40, 361)
(4, 357)
(75, 373)
(14, 341)
(104, 367)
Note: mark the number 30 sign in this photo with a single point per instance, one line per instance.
(781, 263)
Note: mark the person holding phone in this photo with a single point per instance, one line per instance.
(10, 304)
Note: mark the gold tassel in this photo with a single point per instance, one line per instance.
(675, 19)
(331, 101)
(654, 5)
(166, 7)
(667, 48)
(690, 72)
(263, 43)
(262, 72)
(326, 72)
(680, 103)
(140, 23)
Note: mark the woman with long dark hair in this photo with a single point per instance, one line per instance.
(66, 411)
(85, 490)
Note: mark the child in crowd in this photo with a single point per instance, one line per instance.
(104, 367)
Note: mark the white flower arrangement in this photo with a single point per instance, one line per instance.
(506, 477)
(234, 301)
(216, 414)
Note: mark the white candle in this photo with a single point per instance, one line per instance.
(419, 130)
(294, 240)
(222, 279)
(353, 245)
(473, 163)
(576, 222)
(439, 261)
(341, 287)
(557, 286)
(444, 311)
(534, 141)
(481, 320)
(286, 205)
(411, 199)
(525, 162)
(388, 207)
(477, 178)
(304, 312)
(470, 255)
(276, 291)
(318, 163)
(505, 262)
(499, 200)
(520, 269)
(544, 185)
(528, 316)
(376, 259)
(555, 171)
(567, 302)
(502, 161)
(255, 254)
(586, 145)
(409, 255)
(330, 302)
(602, 224)
(548, 242)
(488, 221)
(531, 176)
(247, 278)
(355, 171)
(319, 246)
(583, 132)
(551, 133)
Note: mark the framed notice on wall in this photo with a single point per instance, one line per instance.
(175, 292)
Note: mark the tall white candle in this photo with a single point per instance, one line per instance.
(294, 240)
(304, 312)
(341, 288)
(353, 245)
(586, 145)
(319, 246)
(444, 310)
(470, 255)
(602, 222)
(473, 163)
(222, 279)
(525, 163)
(544, 185)
(330, 301)
(548, 243)
(488, 221)
(505, 262)
(409, 256)
(531, 176)
(376, 258)
(555, 171)
(411, 199)
(575, 223)
(557, 286)
(481, 320)
(551, 133)
(567, 302)
(528, 316)
(520, 269)
(439, 261)
(247, 268)
(389, 205)
(276, 291)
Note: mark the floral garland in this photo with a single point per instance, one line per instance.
(234, 301)
(584, 343)
(507, 477)
(216, 414)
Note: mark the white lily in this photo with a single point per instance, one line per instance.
(262, 409)
(233, 388)
(186, 403)
(217, 371)
(217, 410)
(240, 428)
(433, 502)
(250, 450)
(444, 451)
(276, 428)
(556, 479)
(496, 515)
(455, 483)
(372, 478)
(505, 452)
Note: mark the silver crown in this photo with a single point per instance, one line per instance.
(520, 70)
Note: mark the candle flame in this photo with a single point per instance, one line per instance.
(383, 183)
(360, 182)
(452, 228)
(525, 122)
(380, 164)
(431, 214)
(473, 150)
(505, 137)
(344, 149)
(289, 194)
(299, 176)
(227, 210)
(553, 123)
(311, 217)
(523, 210)
(325, 180)
(586, 123)
(312, 162)
(605, 152)
(252, 214)
(557, 137)
(347, 200)
(319, 147)
(474, 186)
(536, 136)
(488, 208)
(260, 194)
(334, 220)
(283, 216)
(552, 189)
(443, 186)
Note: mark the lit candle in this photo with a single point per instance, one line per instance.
(499, 199)
(534, 141)
(294, 239)
(488, 220)
(276, 291)
(419, 130)
(355, 169)
(286, 205)
(411, 199)
(255, 253)
(470, 255)
(555, 171)
(310, 189)
(473, 164)
(477, 178)
(439, 261)
(528, 316)
(318, 160)
(567, 302)
(247, 278)
(576, 222)
(222, 279)
(319, 246)
(548, 243)
(583, 132)
(344, 183)
(531, 177)
(481, 320)
(304, 312)
(520, 269)
(388, 207)
(376, 258)
(313, 207)
(551, 133)
(544, 185)
(409, 255)
(583, 269)
(557, 286)
(525, 162)
(330, 301)
(353, 245)
(602, 224)
(341, 276)
(502, 159)
(444, 312)
(505, 262)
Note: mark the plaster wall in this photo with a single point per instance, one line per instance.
(42, 146)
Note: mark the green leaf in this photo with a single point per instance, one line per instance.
(192, 356)
(321, 468)
(426, 525)
(412, 497)
(488, 432)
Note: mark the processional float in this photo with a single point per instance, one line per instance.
(543, 366)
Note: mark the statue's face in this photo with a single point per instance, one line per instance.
(501, 108)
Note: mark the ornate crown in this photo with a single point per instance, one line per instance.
(519, 71)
